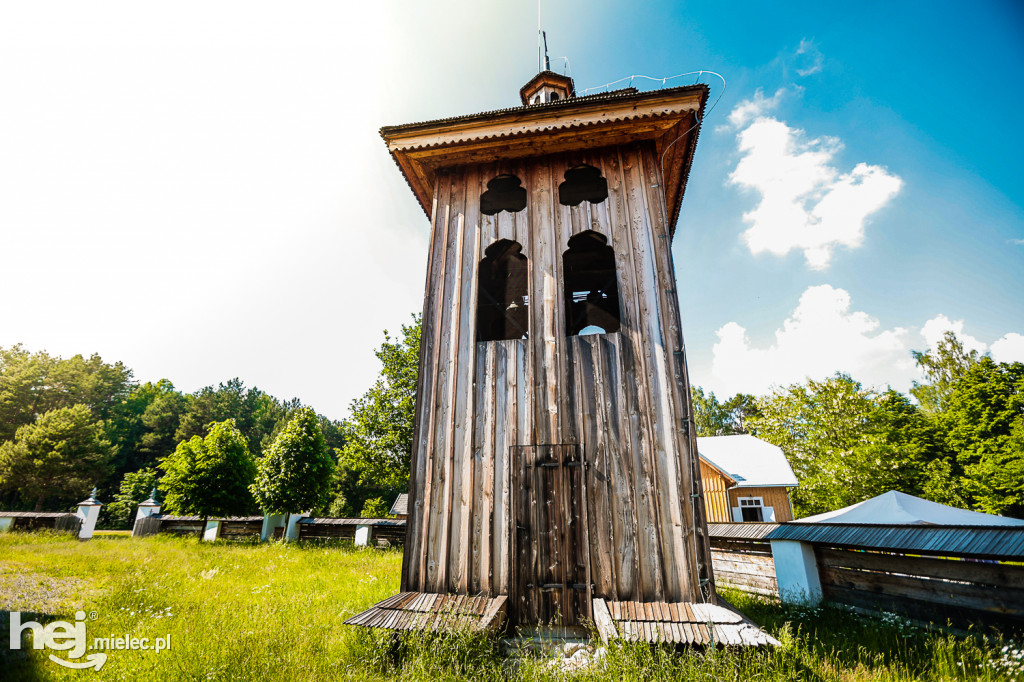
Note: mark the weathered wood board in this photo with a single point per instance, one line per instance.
(622, 398)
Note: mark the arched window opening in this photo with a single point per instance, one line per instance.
(504, 193)
(503, 305)
(554, 96)
(591, 286)
(582, 183)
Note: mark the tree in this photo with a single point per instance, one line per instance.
(136, 486)
(295, 474)
(741, 408)
(942, 367)
(847, 443)
(710, 416)
(379, 434)
(210, 476)
(375, 508)
(32, 384)
(255, 413)
(62, 455)
(714, 418)
(983, 410)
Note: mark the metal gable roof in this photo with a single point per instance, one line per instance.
(751, 461)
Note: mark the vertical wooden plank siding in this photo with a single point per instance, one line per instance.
(715, 496)
(772, 496)
(621, 397)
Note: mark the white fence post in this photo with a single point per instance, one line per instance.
(364, 535)
(212, 531)
(796, 571)
(89, 512)
(292, 534)
(148, 507)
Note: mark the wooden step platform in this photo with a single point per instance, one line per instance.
(677, 623)
(426, 611)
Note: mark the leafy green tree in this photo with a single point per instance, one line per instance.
(144, 425)
(983, 409)
(998, 477)
(943, 367)
(32, 384)
(135, 487)
(715, 418)
(710, 416)
(847, 443)
(379, 434)
(256, 414)
(59, 457)
(210, 476)
(295, 474)
(741, 408)
(375, 508)
(349, 491)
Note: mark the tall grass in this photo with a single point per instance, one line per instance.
(275, 612)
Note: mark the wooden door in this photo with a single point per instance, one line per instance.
(551, 561)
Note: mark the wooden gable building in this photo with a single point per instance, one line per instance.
(554, 468)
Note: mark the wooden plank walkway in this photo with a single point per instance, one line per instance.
(677, 623)
(427, 611)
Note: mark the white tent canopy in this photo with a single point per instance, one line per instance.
(896, 508)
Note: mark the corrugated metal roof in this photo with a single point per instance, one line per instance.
(557, 104)
(751, 461)
(741, 531)
(989, 542)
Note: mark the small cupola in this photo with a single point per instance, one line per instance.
(547, 86)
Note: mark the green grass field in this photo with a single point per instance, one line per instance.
(275, 612)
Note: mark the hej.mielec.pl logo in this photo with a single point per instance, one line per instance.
(64, 636)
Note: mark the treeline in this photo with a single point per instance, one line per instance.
(960, 442)
(69, 424)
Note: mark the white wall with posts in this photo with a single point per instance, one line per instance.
(796, 570)
(89, 512)
(271, 522)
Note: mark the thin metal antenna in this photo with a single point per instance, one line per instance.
(540, 62)
(547, 62)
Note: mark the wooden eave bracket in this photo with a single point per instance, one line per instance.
(672, 125)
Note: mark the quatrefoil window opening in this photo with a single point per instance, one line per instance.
(582, 183)
(504, 193)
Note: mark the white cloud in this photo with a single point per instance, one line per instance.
(806, 202)
(809, 59)
(756, 107)
(935, 328)
(1010, 348)
(821, 336)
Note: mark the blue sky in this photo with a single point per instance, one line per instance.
(199, 189)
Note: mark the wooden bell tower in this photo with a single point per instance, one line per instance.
(555, 468)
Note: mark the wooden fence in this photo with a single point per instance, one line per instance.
(56, 521)
(742, 558)
(386, 532)
(233, 528)
(931, 589)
